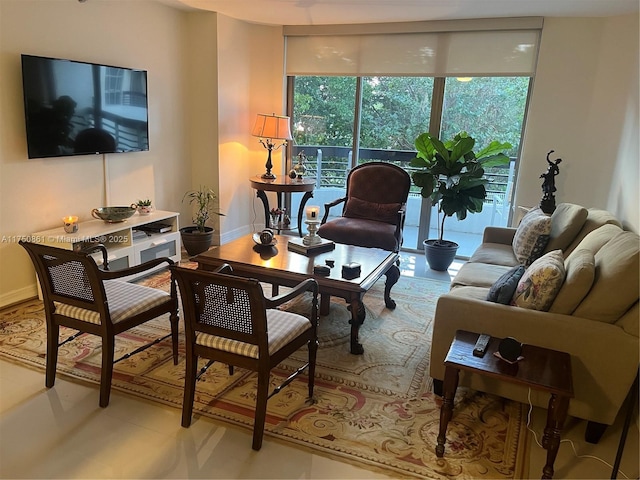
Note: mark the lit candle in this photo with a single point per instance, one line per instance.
(313, 213)
(70, 223)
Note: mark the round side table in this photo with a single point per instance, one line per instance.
(283, 184)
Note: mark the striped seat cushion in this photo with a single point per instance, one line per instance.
(124, 299)
(282, 327)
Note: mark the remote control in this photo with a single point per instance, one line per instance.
(481, 345)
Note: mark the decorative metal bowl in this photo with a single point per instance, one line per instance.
(113, 214)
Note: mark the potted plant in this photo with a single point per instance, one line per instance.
(451, 174)
(197, 238)
(144, 206)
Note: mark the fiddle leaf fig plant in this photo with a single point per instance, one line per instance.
(451, 174)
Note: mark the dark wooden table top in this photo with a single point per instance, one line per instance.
(278, 265)
(283, 183)
(540, 368)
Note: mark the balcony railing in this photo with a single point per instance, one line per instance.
(330, 166)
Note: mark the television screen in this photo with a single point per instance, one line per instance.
(78, 108)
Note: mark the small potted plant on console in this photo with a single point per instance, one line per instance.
(197, 238)
(144, 206)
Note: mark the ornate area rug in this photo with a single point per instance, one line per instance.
(376, 410)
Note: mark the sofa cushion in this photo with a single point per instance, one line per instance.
(519, 213)
(360, 231)
(502, 290)
(596, 218)
(566, 221)
(616, 284)
(580, 270)
(531, 236)
(476, 293)
(596, 239)
(381, 212)
(629, 321)
(541, 282)
(494, 253)
(479, 274)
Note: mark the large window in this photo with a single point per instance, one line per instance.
(395, 110)
(343, 121)
(362, 93)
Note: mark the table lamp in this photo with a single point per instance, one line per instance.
(269, 128)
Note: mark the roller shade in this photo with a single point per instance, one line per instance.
(502, 52)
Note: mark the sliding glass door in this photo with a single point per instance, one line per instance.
(341, 121)
(488, 108)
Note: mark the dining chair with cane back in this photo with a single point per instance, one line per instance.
(82, 296)
(228, 319)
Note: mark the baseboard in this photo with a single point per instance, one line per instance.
(18, 296)
(229, 236)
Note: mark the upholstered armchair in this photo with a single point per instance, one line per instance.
(373, 209)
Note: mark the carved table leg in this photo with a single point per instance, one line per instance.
(358, 315)
(265, 203)
(451, 375)
(393, 275)
(556, 415)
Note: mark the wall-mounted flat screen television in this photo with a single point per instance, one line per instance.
(79, 108)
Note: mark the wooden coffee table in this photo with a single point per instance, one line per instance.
(541, 369)
(278, 266)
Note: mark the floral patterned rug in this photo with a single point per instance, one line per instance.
(375, 409)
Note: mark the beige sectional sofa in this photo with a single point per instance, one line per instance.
(594, 315)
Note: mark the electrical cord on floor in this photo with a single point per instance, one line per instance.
(566, 440)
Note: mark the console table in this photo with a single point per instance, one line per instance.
(540, 368)
(127, 245)
(283, 184)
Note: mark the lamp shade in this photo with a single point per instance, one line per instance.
(271, 126)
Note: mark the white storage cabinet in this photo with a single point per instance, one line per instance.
(124, 248)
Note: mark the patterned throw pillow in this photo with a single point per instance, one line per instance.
(503, 288)
(541, 282)
(532, 236)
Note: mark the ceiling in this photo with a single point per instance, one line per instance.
(318, 12)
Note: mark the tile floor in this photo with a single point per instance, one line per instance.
(62, 433)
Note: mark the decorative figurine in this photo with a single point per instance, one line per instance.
(299, 167)
(548, 202)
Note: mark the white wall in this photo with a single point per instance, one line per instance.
(201, 119)
(584, 106)
(230, 79)
(250, 59)
(207, 80)
(35, 194)
(615, 116)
